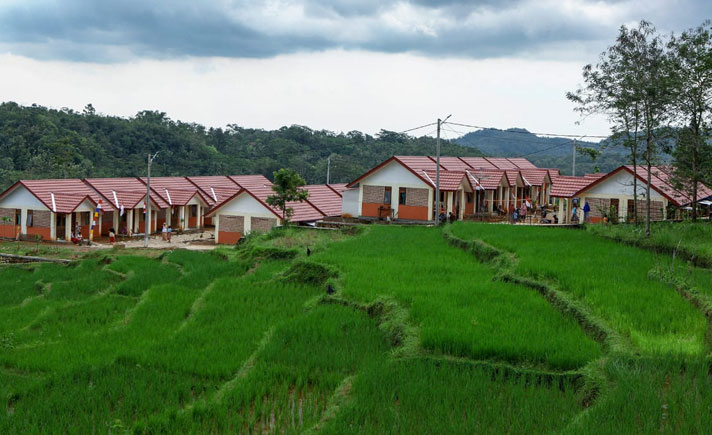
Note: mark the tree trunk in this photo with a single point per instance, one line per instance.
(647, 191)
(695, 177)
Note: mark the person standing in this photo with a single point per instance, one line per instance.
(586, 210)
(164, 232)
(112, 235)
(523, 211)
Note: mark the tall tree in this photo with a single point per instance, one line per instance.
(609, 89)
(691, 64)
(287, 184)
(631, 85)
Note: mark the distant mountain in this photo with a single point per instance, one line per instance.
(549, 152)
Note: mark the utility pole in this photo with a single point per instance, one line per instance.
(328, 169)
(437, 173)
(147, 218)
(573, 165)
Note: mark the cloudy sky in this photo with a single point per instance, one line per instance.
(339, 65)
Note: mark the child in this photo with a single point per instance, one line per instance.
(112, 235)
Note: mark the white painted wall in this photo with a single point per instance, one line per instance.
(621, 184)
(349, 202)
(21, 198)
(396, 176)
(244, 205)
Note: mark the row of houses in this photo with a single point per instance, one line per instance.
(402, 188)
(55, 209)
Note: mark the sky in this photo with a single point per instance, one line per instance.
(337, 65)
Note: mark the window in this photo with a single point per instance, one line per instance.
(29, 218)
(387, 196)
(401, 196)
(18, 216)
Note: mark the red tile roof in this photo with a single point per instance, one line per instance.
(251, 180)
(478, 163)
(489, 179)
(130, 192)
(68, 193)
(324, 199)
(521, 163)
(177, 190)
(452, 163)
(569, 187)
(338, 188)
(418, 163)
(302, 211)
(215, 187)
(449, 180)
(535, 177)
(661, 180)
(501, 163)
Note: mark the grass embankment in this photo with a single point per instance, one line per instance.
(459, 308)
(690, 241)
(244, 340)
(611, 278)
(665, 390)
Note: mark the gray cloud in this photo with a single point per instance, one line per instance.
(103, 31)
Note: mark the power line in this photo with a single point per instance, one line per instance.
(418, 128)
(549, 148)
(573, 136)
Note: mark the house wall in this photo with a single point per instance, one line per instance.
(241, 216)
(620, 187)
(349, 202)
(21, 198)
(395, 176)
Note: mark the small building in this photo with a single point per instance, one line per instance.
(247, 211)
(216, 188)
(50, 209)
(128, 197)
(612, 194)
(403, 187)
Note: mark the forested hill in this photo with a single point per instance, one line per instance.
(37, 142)
(545, 152)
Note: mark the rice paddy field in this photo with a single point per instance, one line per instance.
(381, 329)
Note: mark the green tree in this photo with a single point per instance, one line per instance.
(287, 183)
(691, 62)
(632, 86)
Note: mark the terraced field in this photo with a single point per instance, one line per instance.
(418, 336)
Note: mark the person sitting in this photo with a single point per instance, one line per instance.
(556, 219)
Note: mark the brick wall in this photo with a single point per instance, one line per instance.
(232, 224)
(41, 218)
(416, 197)
(599, 206)
(262, 224)
(656, 209)
(7, 212)
(374, 194)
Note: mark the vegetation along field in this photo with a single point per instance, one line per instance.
(382, 329)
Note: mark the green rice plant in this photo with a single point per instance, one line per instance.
(200, 268)
(104, 399)
(609, 277)
(691, 241)
(18, 284)
(651, 395)
(455, 301)
(441, 396)
(141, 273)
(224, 329)
(72, 322)
(290, 384)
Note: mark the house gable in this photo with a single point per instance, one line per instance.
(619, 183)
(393, 173)
(245, 203)
(20, 197)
